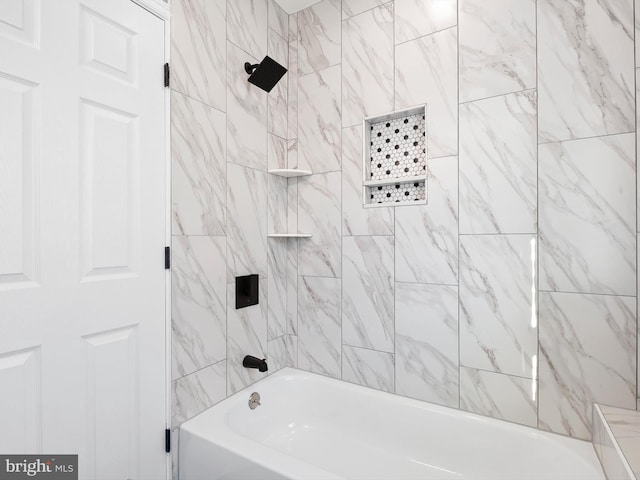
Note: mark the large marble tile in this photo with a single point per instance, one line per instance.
(277, 200)
(585, 68)
(616, 440)
(278, 20)
(319, 36)
(587, 354)
(367, 292)
(319, 214)
(499, 396)
(368, 367)
(277, 109)
(247, 225)
(198, 158)
(498, 318)
(292, 92)
(277, 285)
(292, 204)
(427, 342)
(293, 28)
(367, 65)
(355, 219)
(497, 47)
(319, 121)
(247, 26)
(246, 114)
(195, 393)
(355, 7)
(498, 164)
(427, 235)
(198, 307)
(198, 50)
(417, 18)
(292, 287)
(247, 335)
(282, 352)
(587, 215)
(319, 325)
(426, 71)
(276, 152)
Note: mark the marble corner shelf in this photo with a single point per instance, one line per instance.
(289, 172)
(289, 235)
(394, 163)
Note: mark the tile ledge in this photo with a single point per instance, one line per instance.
(620, 433)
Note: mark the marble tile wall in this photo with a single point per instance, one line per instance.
(225, 134)
(513, 292)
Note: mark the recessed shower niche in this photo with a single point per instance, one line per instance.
(395, 158)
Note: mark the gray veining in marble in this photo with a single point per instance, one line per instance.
(247, 225)
(367, 292)
(585, 68)
(426, 343)
(277, 285)
(319, 111)
(292, 287)
(282, 352)
(278, 20)
(498, 164)
(587, 354)
(276, 152)
(198, 307)
(319, 325)
(277, 108)
(497, 47)
(198, 391)
(198, 157)
(351, 8)
(319, 36)
(498, 396)
(426, 71)
(247, 26)
(498, 317)
(198, 50)
(367, 65)
(319, 214)
(247, 335)
(246, 114)
(417, 18)
(292, 92)
(427, 235)
(355, 219)
(368, 367)
(587, 215)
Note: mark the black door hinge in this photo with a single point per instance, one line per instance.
(166, 74)
(167, 440)
(167, 258)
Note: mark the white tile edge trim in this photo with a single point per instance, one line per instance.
(612, 438)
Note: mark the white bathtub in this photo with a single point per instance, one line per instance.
(313, 427)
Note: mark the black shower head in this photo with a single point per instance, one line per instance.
(265, 74)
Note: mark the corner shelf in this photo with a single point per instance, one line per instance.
(289, 235)
(289, 172)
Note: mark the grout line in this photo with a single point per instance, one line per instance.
(490, 97)
(496, 373)
(584, 138)
(430, 34)
(586, 293)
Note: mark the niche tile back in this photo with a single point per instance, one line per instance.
(394, 163)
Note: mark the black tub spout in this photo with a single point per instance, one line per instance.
(253, 362)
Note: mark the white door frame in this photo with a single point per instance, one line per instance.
(162, 10)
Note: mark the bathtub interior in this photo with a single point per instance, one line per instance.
(355, 432)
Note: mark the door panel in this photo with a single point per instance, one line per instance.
(81, 125)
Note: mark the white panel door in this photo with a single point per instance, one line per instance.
(82, 233)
